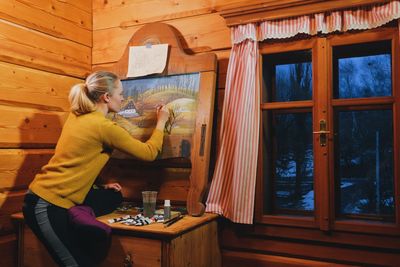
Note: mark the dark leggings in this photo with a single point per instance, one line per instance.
(51, 225)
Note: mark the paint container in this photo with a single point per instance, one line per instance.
(167, 209)
(149, 203)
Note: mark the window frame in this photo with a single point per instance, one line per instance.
(380, 34)
(323, 105)
(303, 221)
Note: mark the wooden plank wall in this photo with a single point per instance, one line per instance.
(204, 30)
(45, 48)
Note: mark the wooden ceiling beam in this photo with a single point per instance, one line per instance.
(274, 9)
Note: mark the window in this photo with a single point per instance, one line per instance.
(329, 135)
(288, 77)
(364, 164)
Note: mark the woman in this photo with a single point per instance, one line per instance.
(84, 147)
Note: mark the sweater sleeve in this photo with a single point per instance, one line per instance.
(116, 137)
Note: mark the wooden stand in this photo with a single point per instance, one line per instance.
(179, 62)
(190, 242)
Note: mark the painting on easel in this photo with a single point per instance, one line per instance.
(179, 93)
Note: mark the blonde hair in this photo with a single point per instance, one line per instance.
(84, 96)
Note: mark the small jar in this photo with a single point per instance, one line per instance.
(167, 209)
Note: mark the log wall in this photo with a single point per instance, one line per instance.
(45, 48)
(204, 29)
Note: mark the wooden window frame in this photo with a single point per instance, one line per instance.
(323, 106)
(365, 103)
(303, 221)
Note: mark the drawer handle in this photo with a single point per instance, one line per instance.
(128, 260)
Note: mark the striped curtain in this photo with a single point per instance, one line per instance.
(233, 186)
(232, 191)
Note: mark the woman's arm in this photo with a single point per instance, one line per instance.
(117, 137)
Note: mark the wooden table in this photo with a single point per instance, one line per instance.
(192, 241)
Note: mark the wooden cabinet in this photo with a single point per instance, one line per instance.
(134, 251)
(192, 241)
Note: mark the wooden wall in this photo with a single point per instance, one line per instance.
(47, 45)
(203, 30)
(45, 48)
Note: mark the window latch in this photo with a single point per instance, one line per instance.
(322, 133)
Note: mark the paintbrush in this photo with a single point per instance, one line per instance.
(173, 220)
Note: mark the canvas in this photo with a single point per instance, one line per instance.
(179, 93)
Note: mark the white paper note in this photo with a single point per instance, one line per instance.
(145, 60)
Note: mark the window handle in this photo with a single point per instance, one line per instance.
(322, 133)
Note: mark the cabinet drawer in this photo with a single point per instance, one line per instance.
(139, 252)
(124, 249)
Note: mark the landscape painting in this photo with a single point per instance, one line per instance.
(178, 93)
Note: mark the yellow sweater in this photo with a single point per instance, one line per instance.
(84, 147)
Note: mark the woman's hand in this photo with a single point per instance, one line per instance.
(162, 117)
(162, 113)
(116, 186)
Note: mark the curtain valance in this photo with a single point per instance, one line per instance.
(361, 18)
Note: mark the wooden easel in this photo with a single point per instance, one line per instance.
(179, 62)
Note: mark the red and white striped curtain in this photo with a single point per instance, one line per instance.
(232, 191)
(233, 185)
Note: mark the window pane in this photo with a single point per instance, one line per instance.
(364, 163)
(362, 70)
(289, 181)
(287, 76)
